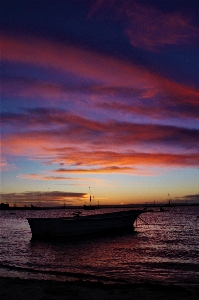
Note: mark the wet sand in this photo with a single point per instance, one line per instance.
(28, 289)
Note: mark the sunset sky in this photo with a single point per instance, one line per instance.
(99, 97)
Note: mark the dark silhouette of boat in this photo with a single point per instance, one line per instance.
(78, 225)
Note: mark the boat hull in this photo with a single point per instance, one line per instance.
(48, 228)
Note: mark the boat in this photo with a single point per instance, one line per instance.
(81, 225)
(162, 209)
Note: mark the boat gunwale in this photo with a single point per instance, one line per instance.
(114, 215)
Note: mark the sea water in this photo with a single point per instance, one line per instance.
(163, 249)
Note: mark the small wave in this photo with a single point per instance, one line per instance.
(74, 275)
(174, 266)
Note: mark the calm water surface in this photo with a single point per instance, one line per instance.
(166, 249)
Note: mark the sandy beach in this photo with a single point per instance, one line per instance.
(23, 289)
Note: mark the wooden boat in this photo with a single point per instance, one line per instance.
(48, 228)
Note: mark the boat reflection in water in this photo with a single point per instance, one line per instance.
(48, 228)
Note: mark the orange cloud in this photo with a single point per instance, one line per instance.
(49, 176)
(44, 177)
(71, 151)
(5, 166)
(118, 162)
(102, 162)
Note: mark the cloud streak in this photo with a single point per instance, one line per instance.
(90, 143)
(54, 124)
(101, 86)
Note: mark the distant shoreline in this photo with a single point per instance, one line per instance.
(100, 207)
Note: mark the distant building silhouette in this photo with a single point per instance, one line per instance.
(4, 206)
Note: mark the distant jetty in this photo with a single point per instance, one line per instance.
(6, 206)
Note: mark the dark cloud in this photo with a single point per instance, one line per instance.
(40, 198)
(150, 26)
(189, 198)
